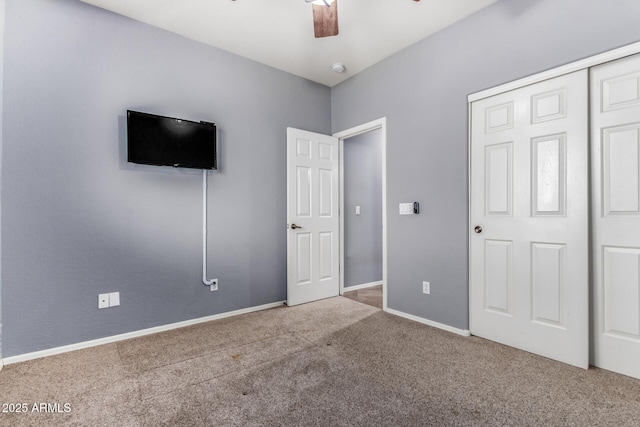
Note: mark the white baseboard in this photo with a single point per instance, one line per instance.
(135, 334)
(463, 332)
(363, 286)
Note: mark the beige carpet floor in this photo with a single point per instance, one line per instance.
(334, 362)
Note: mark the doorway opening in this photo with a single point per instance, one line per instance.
(363, 239)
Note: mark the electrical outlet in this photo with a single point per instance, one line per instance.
(213, 286)
(103, 301)
(426, 288)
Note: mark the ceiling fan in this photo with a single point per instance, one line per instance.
(325, 17)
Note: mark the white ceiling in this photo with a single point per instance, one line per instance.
(279, 33)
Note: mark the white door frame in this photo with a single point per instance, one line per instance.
(349, 133)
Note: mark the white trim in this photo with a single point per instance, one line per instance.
(135, 334)
(469, 109)
(463, 332)
(598, 59)
(342, 212)
(2, 44)
(363, 286)
(381, 124)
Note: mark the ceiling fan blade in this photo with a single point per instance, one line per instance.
(325, 20)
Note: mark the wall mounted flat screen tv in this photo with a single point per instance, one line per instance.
(167, 141)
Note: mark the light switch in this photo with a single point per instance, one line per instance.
(357, 210)
(406, 208)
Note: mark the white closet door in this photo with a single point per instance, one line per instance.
(615, 136)
(529, 241)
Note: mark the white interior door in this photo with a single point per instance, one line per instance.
(529, 271)
(312, 217)
(615, 122)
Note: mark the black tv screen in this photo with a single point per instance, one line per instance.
(167, 141)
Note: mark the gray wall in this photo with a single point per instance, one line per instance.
(422, 91)
(362, 176)
(78, 220)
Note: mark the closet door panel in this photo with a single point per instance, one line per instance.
(615, 139)
(529, 245)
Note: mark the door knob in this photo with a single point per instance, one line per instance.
(478, 229)
(293, 226)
